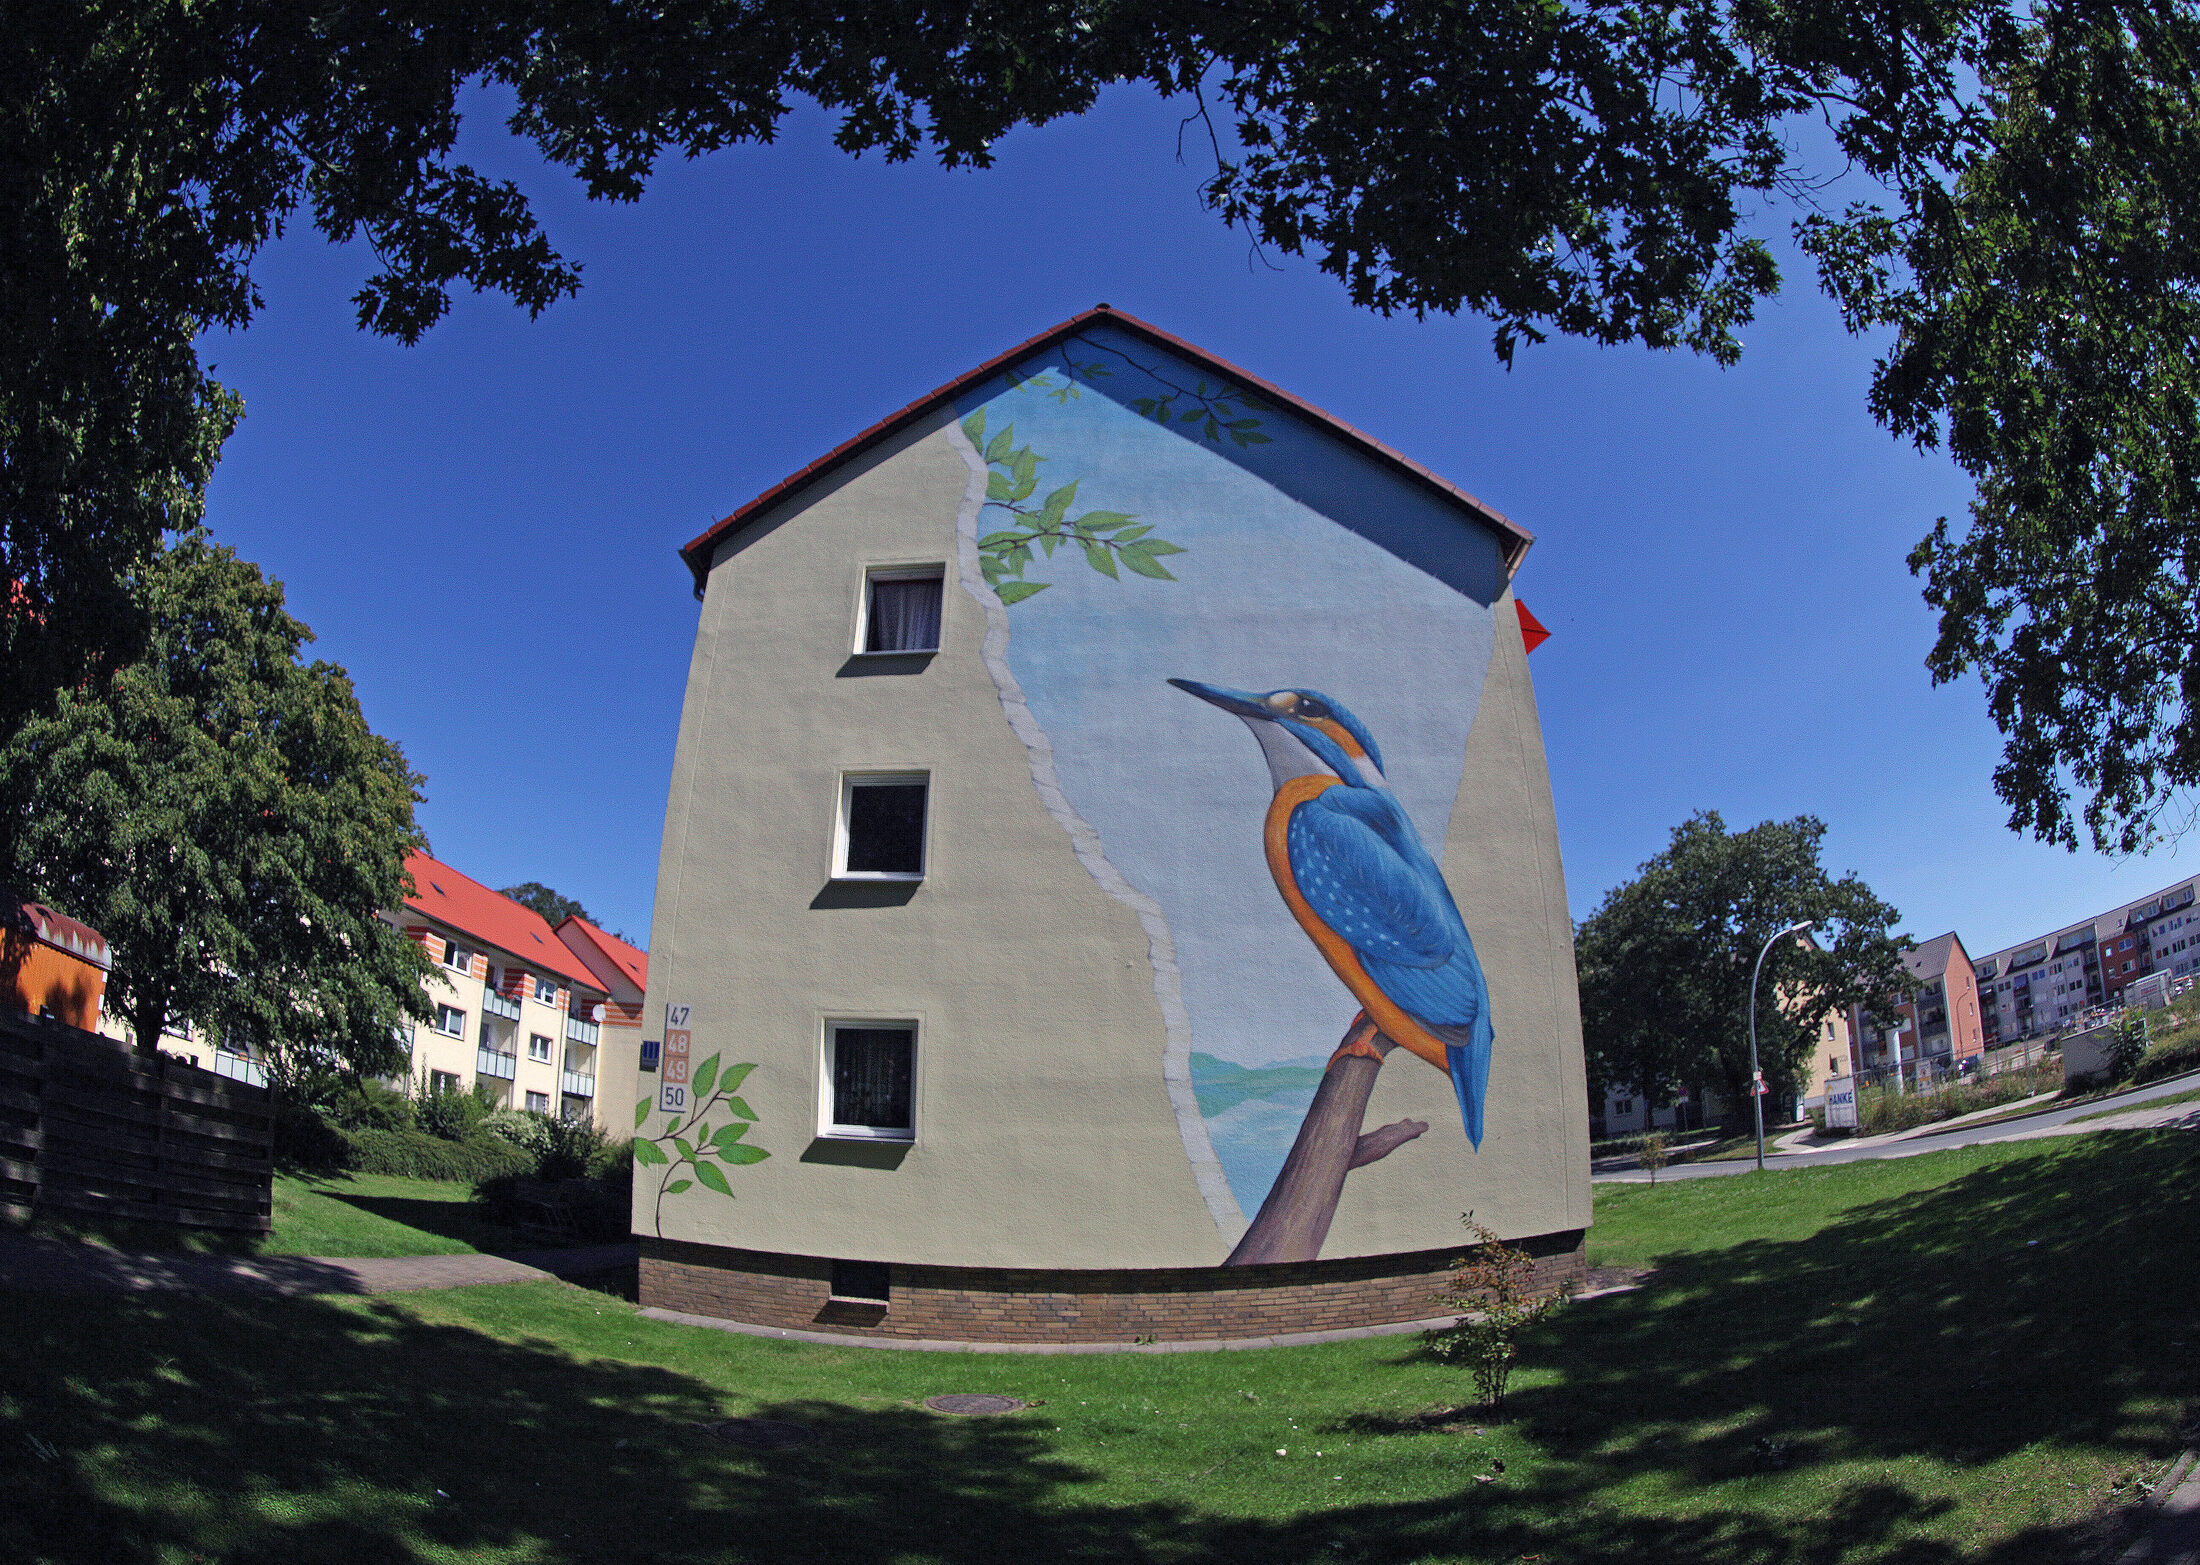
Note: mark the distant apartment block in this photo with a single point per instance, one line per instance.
(518, 1011)
(1938, 1025)
(2046, 985)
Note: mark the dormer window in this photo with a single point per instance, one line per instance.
(901, 610)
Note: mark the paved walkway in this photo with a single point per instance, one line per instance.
(29, 1265)
(2077, 1119)
(2172, 1535)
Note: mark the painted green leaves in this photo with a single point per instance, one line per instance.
(1110, 541)
(689, 1151)
(1226, 410)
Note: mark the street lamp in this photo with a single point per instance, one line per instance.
(1756, 1077)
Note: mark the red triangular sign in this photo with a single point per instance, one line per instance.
(1532, 633)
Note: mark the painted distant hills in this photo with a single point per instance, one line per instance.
(1221, 1086)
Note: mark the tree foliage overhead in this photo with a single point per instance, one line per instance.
(1665, 961)
(1599, 168)
(554, 908)
(220, 811)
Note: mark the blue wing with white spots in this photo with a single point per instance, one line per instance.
(1361, 880)
(1361, 867)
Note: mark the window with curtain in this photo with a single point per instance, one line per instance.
(904, 613)
(873, 1069)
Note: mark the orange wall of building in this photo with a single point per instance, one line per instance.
(41, 979)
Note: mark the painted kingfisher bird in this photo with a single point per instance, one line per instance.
(1354, 874)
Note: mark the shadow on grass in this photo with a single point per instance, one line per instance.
(467, 1222)
(252, 1432)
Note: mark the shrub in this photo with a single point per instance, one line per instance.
(601, 1209)
(615, 1162)
(307, 1142)
(570, 1147)
(453, 1115)
(1490, 1285)
(2170, 1057)
(1656, 1153)
(528, 1131)
(2127, 1045)
(416, 1154)
(367, 1104)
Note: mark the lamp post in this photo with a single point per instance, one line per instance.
(1756, 1076)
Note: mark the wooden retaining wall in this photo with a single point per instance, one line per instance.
(88, 1125)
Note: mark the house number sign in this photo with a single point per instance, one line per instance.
(672, 1077)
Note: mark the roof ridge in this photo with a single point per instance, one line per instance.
(1516, 539)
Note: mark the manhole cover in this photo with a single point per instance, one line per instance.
(760, 1434)
(968, 1404)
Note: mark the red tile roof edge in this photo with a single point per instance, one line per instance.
(696, 551)
(494, 919)
(612, 947)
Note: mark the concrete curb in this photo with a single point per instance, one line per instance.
(2171, 1534)
(1287, 1339)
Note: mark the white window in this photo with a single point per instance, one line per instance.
(538, 1047)
(870, 1081)
(901, 610)
(880, 833)
(1623, 1106)
(538, 1102)
(457, 958)
(449, 1019)
(546, 991)
(440, 1082)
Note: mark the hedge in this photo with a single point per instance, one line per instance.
(418, 1155)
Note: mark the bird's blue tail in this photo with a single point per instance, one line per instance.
(1470, 1076)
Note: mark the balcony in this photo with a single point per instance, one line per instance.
(578, 1031)
(578, 1084)
(488, 1062)
(495, 1004)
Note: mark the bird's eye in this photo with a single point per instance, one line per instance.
(1309, 707)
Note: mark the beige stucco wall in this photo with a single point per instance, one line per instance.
(1045, 1135)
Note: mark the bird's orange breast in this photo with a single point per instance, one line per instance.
(1400, 1028)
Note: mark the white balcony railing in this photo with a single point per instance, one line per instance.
(489, 1062)
(579, 1031)
(579, 1084)
(239, 1067)
(500, 1005)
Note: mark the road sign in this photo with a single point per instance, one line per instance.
(673, 1062)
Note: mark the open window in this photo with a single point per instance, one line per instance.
(901, 610)
(880, 833)
(870, 1082)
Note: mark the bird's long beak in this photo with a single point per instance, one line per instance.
(1243, 702)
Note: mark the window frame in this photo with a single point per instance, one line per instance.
(919, 570)
(457, 959)
(532, 1107)
(862, 777)
(544, 1058)
(441, 1011)
(541, 984)
(829, 1129)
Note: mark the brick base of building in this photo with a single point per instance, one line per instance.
(989, 1304)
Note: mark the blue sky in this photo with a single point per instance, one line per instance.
(483, 528)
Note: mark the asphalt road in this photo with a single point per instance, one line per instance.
(1911, 1146)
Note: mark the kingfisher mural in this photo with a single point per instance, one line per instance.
(1355, 876)
(1268, 573)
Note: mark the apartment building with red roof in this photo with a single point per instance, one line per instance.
(623, 970)
(517, 1011)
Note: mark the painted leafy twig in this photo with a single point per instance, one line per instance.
(1221, 410)
(1112, 541)
(690, 1144)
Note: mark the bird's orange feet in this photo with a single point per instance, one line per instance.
(1362, 1038)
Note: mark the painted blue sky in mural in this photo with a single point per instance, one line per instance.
(1268, 593)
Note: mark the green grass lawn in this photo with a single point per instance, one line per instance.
(338, 1215)
(1966, 1356)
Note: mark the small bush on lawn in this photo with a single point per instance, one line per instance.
(568, 1150)
(415, 1154)
(1490, 1285)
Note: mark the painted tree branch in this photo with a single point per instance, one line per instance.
(1295, 1218)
